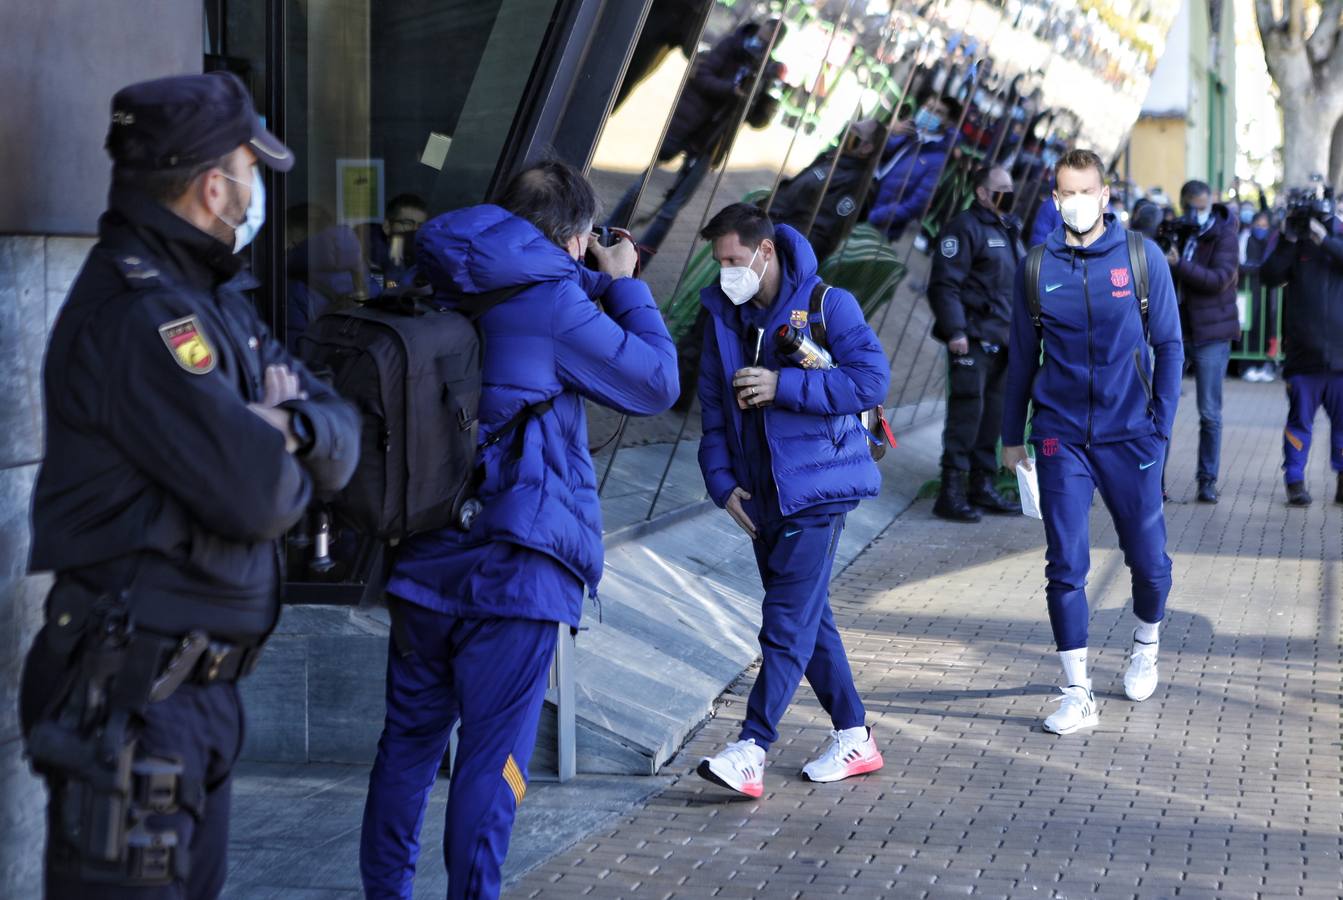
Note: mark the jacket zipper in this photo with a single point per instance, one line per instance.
(1091, 366)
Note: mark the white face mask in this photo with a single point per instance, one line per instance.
(254, 218)
(1080, 212)
(741, 283)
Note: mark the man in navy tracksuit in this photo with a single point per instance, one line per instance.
(785, 454)
(475, 613)
(1102, 418)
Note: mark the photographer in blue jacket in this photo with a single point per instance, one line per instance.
(785, 454)
(1103, 413)
(476, 613)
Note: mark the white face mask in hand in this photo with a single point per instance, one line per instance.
(1080, 212)
(741, 283)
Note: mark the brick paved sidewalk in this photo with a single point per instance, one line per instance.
(1226, 783)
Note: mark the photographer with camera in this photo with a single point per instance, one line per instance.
(475, 608)
(1308, 261)
(1204, 257)
(713, 101)
(785, 454)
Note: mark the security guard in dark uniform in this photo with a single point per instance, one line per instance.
(971, 295)
(182, 442)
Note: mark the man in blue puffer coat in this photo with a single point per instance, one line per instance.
(475, 613)
(1104, 398)
(785, 454)
(912, 163)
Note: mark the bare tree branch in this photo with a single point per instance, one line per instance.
(1323, 43)
(1268, 22)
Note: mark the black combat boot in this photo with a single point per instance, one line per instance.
(1297, 495)
(984, 494)
(951, 500)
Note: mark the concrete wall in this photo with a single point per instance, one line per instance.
(60, 63)
(35, 273)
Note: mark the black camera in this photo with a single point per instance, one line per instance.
(1172, 235)
(609, 236)
(1304, 204)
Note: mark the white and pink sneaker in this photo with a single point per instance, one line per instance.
(852, 751)
(740, 767)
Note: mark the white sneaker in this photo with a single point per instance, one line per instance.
(1252, 375)
(740, 767)
(852, 751)
(1141, 678)
(1078, 711)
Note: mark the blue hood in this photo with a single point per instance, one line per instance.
(487, 248)
(799, 268)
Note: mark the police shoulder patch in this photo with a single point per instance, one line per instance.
(950, 247)
(187, 342)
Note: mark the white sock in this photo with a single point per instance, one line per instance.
(1075, 667)
(1147, 632)
(858, 731)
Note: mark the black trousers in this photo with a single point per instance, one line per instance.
(974, 409)
(203, 725)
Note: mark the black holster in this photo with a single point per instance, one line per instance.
(84, 744)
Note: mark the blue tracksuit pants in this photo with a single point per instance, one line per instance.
(490, 674)
(1305, 395)
(797, 631)
(1128, 476)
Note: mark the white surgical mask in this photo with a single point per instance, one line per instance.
(741, 283)
(254, 218)
(1080, 212)
(1201, 216)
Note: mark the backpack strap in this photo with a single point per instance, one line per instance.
(1034, 258)
(817, 314)
(1137, 258)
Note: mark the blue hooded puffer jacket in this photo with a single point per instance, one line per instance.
(906, 189)
(1097, 383)
(818, 447)
(549, 342)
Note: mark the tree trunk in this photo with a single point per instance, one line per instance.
(1307, 133)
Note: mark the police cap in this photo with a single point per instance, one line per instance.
(186, 120)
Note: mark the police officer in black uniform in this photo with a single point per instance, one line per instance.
(846, 184)
(182, 442)
(971, 295)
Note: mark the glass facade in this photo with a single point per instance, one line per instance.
(399, 112)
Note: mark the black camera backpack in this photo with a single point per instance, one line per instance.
(412, 366)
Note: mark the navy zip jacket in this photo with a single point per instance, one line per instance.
(1096, 383)
(158, 480)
